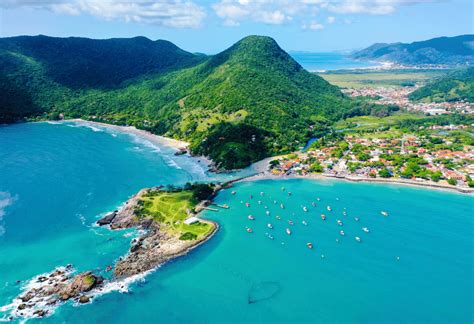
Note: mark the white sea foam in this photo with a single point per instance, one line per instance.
(6, 199)
(145, 143)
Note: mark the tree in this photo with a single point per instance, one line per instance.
(435, 176)
(385, 173)
(452, 181)
(316, 167)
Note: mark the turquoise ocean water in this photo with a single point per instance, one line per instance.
(329, 61)
(415, 266)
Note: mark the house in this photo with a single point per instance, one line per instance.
(191, 220)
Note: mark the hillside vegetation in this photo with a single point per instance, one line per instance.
(454, 87)
(248, 102)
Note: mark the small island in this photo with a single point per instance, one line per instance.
(170, 219)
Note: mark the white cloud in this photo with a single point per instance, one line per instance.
(233, 12)
(168, 13)
(313, 26)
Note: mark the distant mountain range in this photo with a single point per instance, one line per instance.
(457, 50)
(245, 103)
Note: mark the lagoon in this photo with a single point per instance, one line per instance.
(416, 265)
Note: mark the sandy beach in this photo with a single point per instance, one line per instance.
(155, 139)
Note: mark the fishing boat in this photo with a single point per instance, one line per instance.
(290, 222)
(270, 226)
(329, 208)
(309, 245)
(339, 222)
(344, 213)
(259, 202)
(289, 193)
(267, 212)
(384, 213)
(247, 204)
(249, 230)
(282, 206)
(304, 223)
(342, 233)
(318, 199)
(305, 209)
(365, 229)
(234, 192)
(250, 217)
(262, 193)
(269, 236)
(288, 231)
(358, 239)
(323, 217)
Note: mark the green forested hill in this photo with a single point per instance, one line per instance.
(453, 87)
(440, 50)
(248, 102)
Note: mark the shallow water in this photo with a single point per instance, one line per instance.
(416, 265)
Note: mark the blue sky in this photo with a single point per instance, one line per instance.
(210, 26)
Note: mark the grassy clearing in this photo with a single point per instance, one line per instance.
(364, 123)
(389, 78)
(170, 209)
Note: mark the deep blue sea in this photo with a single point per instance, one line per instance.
(327, 61)
(414, 266)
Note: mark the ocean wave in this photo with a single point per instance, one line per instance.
(172, 163)
(145, 143)
(6, 199)
(86, 125)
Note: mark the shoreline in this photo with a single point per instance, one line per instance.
(400, 182)
(178, 145)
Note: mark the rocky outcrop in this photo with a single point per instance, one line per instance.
(54, 288)
(107, 219)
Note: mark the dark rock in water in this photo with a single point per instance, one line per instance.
(81, 283)
(21, 306)
(84, 299)
(181, 151)
(40, 313)
(42, 279)
(26, 297)
(107, 219)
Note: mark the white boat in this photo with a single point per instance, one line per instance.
(356, 219)
(270, 226)
(288, 231)
(259, 202)
(282, 206)
(249, 230)
(344, 213)
(365, 229)
(247, 204)
(339, 222)
(342, 233)
(329, 208)
(318, 199)
(233, 192)
(358, 239)
(274, 201)
(262, 193)
(309, 245)
(304, 223)
(384, 213)
(250, 217)
(267, 212)
(269, 236)
(305, 209)
(290, 222)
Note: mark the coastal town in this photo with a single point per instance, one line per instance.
(399, 96)
(435, 155)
